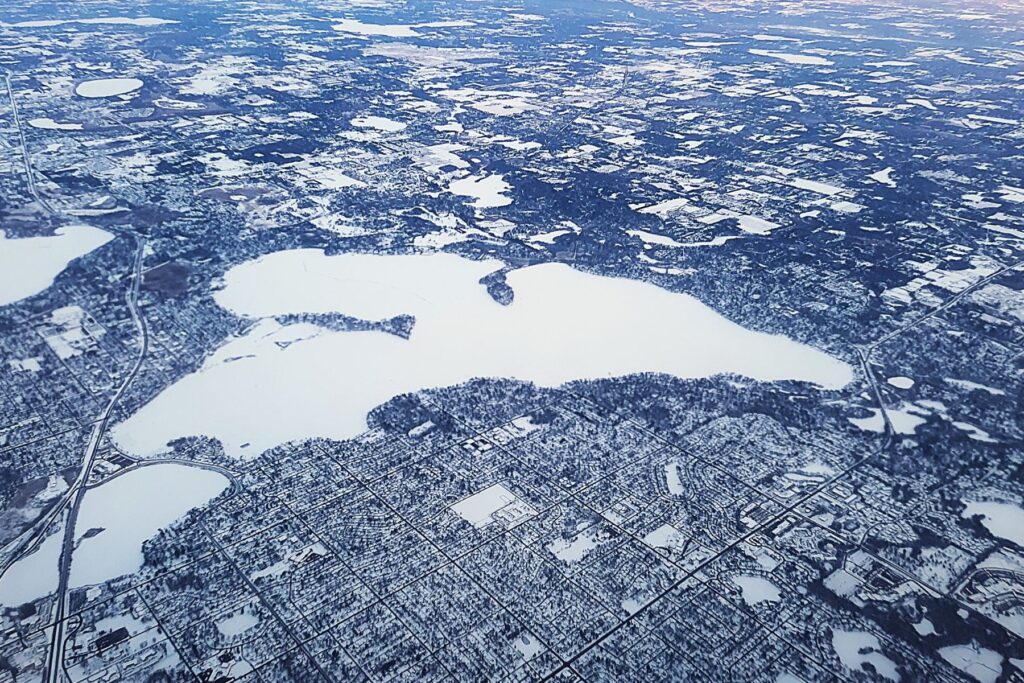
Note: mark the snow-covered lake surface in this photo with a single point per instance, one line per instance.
(487, 190)
(108, 87)
(29, 265)
(237, 624)
(792, 58)
(131, 508)
(1003, 520)
(46, 123)
(756, 589)
(280, 383)
(34, 575)
(857, 648)
(114, 21)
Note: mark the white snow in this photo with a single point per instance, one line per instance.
(479, 508)
(115, 21)
(901, 382)
(34, 575)
(575, 549)
(906, 419)
(393, 30)
(32, 364)
(379, 123)
(237, 624)
(815, 186)
(488, 190)
(755, 225)
(363, 29)
(1004, 520)
(857, 648)
(978, 662)
(663, 209)
(925, 627)
(847, 207)
(652, 238)
(673, 481)
(328, 176)
(342, 226)
(29, 265)
(108, 87)
(131, 508)
(993, 119)
(792, 58)
(278, 383)
(884, 177)
(974, 432)
(873, 423)
(548, 237)
(47, 123)
(974, 386)
(665, 537)
(756, 589)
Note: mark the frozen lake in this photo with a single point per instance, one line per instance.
(30, 264)
(130, 509)
(280, 383)
(1004, 520)
(34, 575)
(108, 87)
(113, 522)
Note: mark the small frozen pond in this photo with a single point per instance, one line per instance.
(29, 265)
(237, 624)
(108, 87)
(131, 508)
(859, 649)
(756, 589)
(280, 383)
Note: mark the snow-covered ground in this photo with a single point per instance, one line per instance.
(479, 509)
(278, 383)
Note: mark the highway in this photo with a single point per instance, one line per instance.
(55, 656)
(76, 492)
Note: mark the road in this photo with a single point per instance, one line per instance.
(30, 175)
(55, 656)
(76, 492)
(865, 353)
